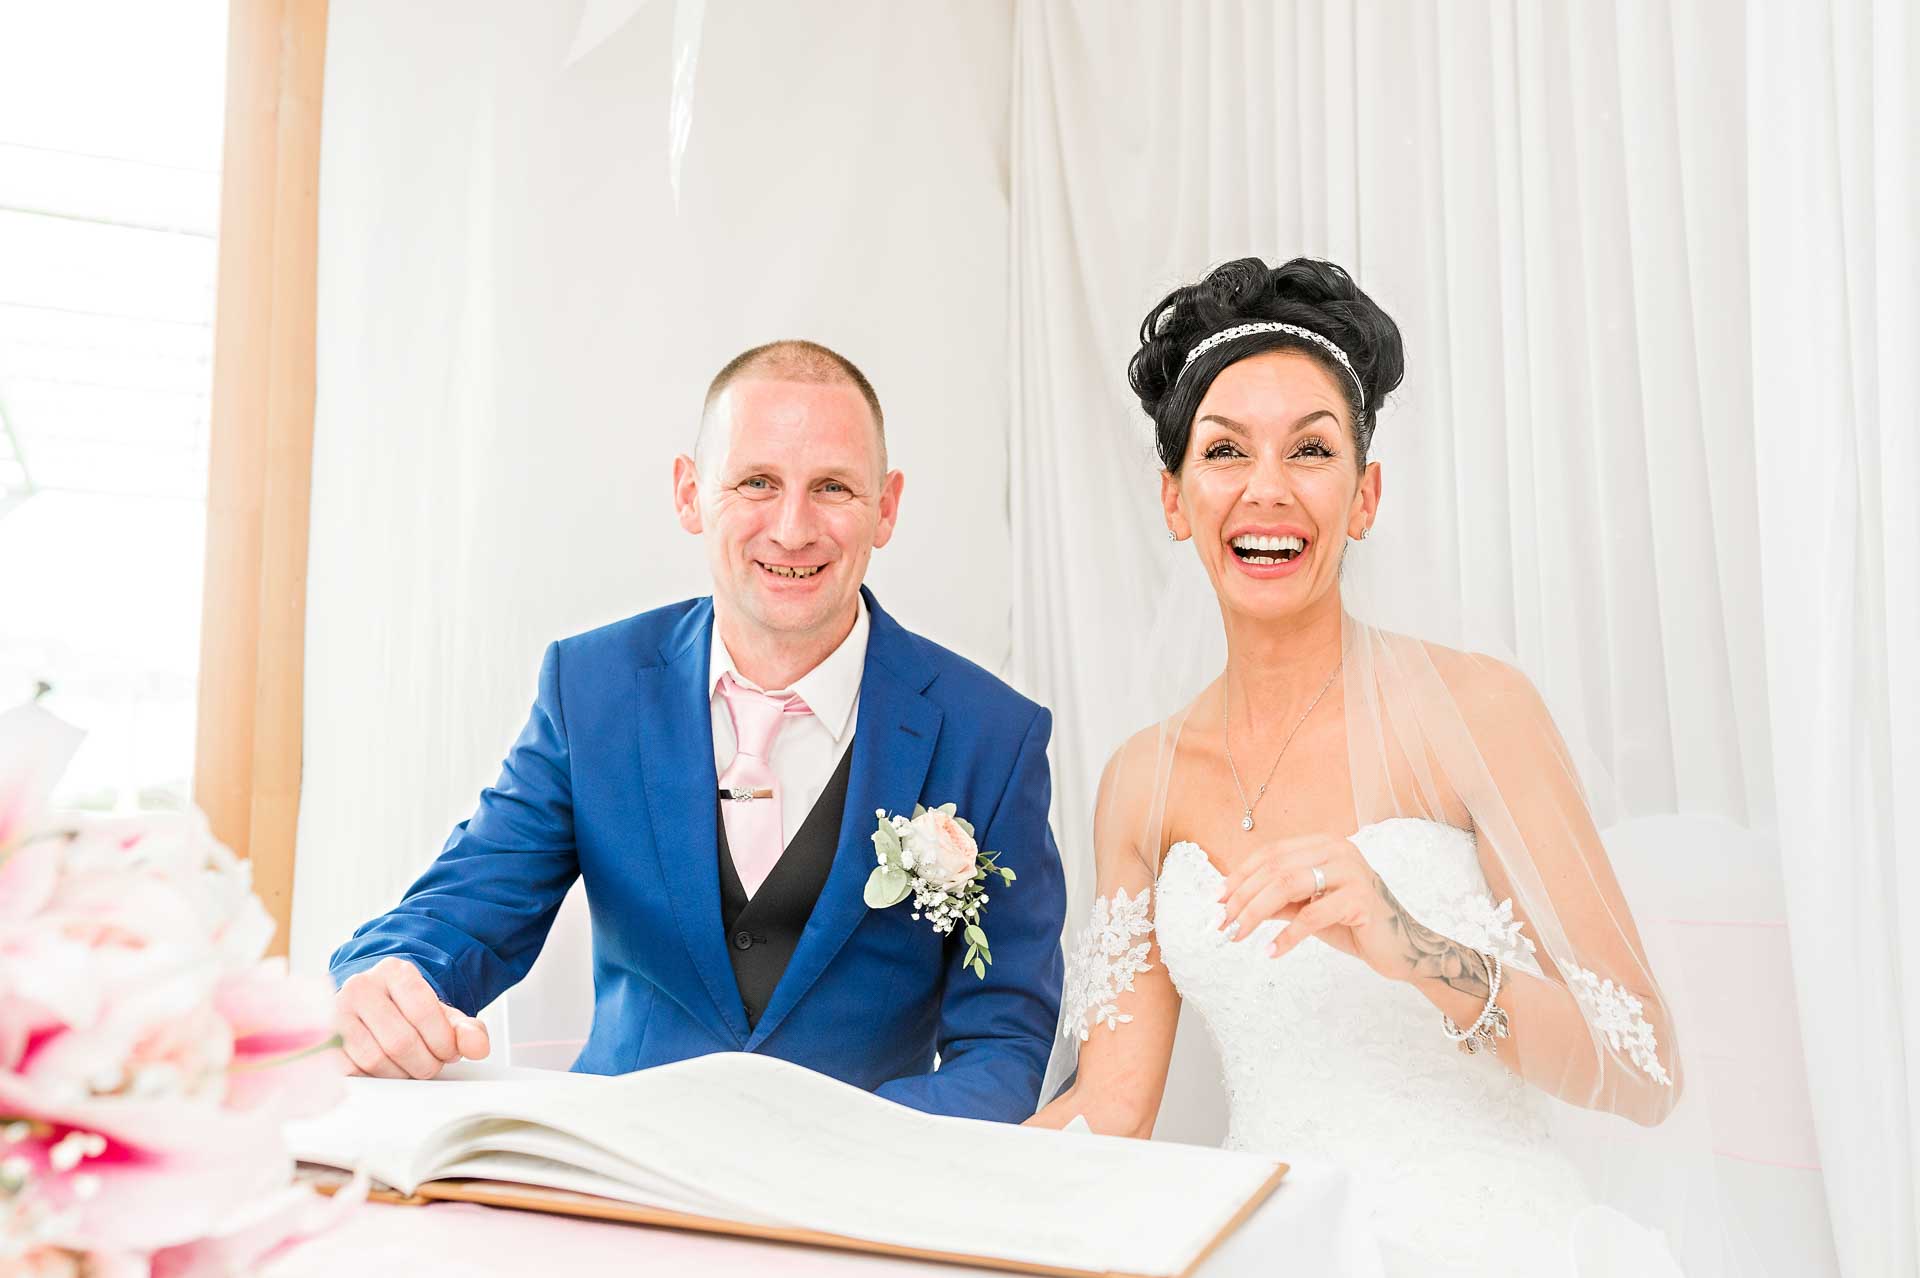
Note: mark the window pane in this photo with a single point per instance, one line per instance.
(110, 135)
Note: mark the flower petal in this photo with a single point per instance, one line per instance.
(34, 749)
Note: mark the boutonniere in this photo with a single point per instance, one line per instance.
(932, 858)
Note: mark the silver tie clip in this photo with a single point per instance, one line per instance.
(739, 795)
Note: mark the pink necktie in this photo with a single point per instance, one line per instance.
(753, 824)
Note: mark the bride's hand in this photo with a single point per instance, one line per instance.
(1349, 906)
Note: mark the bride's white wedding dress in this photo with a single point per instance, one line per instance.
(1325, 1060)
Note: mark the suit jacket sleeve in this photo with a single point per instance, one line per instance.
(475, 921)
(995, 1033)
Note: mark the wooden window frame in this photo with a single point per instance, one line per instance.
(247, 750)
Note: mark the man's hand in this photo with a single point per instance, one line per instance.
(393, 1026)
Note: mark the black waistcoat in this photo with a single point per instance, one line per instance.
(762, 932)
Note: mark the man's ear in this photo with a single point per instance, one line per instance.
(686, 493)
(889, 508)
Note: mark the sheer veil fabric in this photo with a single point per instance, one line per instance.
(1436, 732)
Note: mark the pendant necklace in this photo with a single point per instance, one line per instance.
(1246, 808)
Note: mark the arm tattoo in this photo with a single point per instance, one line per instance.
(1431, 954)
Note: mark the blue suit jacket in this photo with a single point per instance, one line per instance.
(613, 780)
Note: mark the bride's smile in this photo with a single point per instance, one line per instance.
(1270, 553)
(1364, 859)
(1271, 484)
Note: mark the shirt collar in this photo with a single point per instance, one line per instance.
(830, 689)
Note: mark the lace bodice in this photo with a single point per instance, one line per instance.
(1324, 1059)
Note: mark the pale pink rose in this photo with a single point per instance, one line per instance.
(34, 749)
(168, 1172)
(284, 1057)
(46, 979)
(129, 1019)
(943, 853)
(42, 1262)
(208, 891)
(28, 876)
(261, 1233)
(137, 1050)
(151, 1053)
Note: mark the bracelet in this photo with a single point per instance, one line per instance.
(1492, 1022)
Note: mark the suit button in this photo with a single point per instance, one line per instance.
(743, 940)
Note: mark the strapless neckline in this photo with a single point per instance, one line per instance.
(1323, 1058)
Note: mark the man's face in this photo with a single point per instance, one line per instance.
(790, 496)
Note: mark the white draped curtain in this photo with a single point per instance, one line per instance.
(1655, 265)
(518, 317)
(1544, 198)
(1833, 151)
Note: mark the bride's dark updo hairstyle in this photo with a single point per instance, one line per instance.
(1306, 292)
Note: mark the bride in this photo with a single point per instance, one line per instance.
(1365, 859)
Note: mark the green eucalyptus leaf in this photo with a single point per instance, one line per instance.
(886, 841)
(976, 936)
(979, 969)
(886, 886)
(949, 808)
(919, 809)
(1006, 874)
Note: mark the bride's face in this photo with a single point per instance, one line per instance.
(1271, 486)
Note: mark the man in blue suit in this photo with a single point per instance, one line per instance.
(713, 770)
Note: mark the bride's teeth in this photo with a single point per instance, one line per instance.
(1257, 549)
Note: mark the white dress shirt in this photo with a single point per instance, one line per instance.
(809, 746)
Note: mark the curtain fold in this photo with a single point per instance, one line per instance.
(518, 319)
(1541, 196)
(1554, 202)
(1834, 151)
(1656, 267)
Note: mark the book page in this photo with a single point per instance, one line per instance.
(779, 1144)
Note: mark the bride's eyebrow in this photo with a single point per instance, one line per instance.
(1229, 423)
(1295, 429)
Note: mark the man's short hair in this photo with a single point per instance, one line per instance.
(792, 359)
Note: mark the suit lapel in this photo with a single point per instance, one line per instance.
(674, 722)
(893, 743)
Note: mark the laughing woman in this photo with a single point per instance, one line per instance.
(1365, 858)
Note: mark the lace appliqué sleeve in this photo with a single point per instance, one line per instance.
(1106, 957)
(1473, 920)
(1617, 1013)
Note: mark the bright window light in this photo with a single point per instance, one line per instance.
(111, 118)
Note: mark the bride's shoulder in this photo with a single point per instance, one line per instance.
(1476, 680)
(1134, 776)
(1135, 761)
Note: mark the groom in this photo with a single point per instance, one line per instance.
(713, 769)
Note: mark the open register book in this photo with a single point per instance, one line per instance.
(753, 1145)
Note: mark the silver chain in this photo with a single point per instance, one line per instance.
(1246, 809)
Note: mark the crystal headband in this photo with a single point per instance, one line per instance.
(1274, 326)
